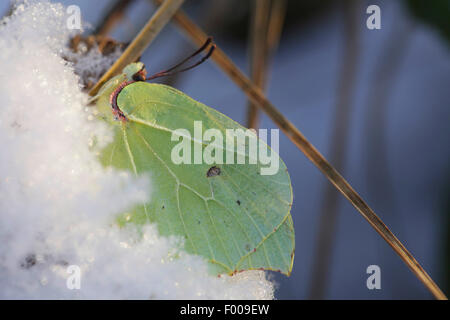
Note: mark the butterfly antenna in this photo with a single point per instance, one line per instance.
(172, 70)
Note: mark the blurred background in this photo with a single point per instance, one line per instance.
(375, 102)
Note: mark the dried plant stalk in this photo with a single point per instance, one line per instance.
(142, 40)
(259, 52)
(276, 22)
(254, 93)
(329, 213)
(112, 17)
(266, 28)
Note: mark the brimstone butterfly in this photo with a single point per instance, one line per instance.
(228, 213)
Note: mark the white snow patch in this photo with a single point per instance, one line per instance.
(57, 203)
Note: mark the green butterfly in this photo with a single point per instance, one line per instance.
(227, 212)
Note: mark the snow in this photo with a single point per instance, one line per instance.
(57, 203)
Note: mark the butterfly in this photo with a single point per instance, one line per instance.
(216, 195)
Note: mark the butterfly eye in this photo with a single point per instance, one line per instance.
(140, 75)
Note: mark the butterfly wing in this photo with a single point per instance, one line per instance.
(236, 218)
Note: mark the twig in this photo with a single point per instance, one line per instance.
(276, 22)
(211, 17)
(259, 52)
(265, 32)
(112, 17)
(255, 94)
(142, 40)
(375, 152)
(385, 76)
(339, 144)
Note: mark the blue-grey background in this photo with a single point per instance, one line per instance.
(408, 185)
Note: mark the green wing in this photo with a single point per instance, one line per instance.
(237, 220)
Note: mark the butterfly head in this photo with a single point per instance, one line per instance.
(135, 72)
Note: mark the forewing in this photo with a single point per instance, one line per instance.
(237, 219)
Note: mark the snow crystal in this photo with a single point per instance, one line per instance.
(58, 204)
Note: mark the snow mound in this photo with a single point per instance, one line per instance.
(58, 204)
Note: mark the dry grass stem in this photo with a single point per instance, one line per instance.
(196, 34)
(142, 40)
